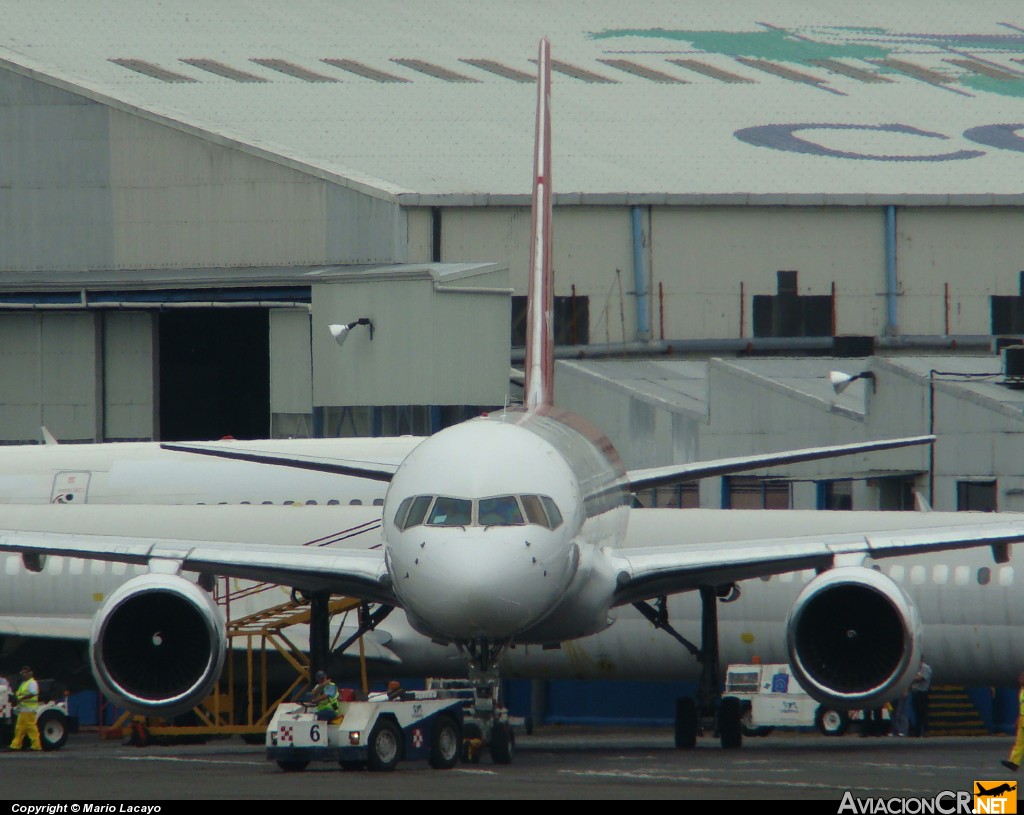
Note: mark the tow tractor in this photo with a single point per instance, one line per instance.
(771, 697)
(374, 734)
(52, 717)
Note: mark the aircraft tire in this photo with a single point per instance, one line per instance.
(53, 729)
(445, 744)
(503, 743)
(831, 722)
(686, 723)
(385, 746)
(730, 732)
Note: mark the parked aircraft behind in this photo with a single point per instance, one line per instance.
(540, 551)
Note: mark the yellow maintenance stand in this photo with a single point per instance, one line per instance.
(222, 713)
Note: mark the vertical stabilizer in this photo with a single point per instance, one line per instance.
(540, 351)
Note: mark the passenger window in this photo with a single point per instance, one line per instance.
(355, 502)
(420, 504)
(554, 516)
(333, 502)
(534, 510)
(451, 512)
(501, 511)
(311, 502)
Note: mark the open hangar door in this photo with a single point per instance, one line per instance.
(214, 373)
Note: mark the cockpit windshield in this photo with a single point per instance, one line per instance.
(499, 510)
(450, 512)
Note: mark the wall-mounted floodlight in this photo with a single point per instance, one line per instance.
(340, 331)
(841, 381)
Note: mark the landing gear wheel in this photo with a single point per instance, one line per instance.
(831, 722)
(729, 733)
(53, 730)
(503, 743)
(293, 766)
(385, 746)
(686, 723)
(444, 744)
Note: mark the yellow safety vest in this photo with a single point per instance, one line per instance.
(28, 695)
(330, 702)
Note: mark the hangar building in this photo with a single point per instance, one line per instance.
(181, 187)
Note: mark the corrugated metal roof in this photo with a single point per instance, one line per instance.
(682, 385)
(661, 102)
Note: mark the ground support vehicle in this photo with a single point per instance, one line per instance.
(771, 697)
(372, 734)
(52, 717)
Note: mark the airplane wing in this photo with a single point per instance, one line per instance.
(353, 572)
(674, 473)
(372, 470)
(721, 554)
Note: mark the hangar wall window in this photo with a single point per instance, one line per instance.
(895, 492)
(756, 493)
(977, 496)
(1007, 311)
(572, 320)
(835, 495)
(681, 496)
(788, 314)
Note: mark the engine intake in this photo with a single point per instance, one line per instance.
(158, 645)
(854, 638)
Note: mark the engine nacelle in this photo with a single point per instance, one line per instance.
(854, 638)
(158, 645)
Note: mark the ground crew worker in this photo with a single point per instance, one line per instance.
(325, 697)
(1017, 753)
(27, 697)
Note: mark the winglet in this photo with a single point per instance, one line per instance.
(540, 352)
(48, 437)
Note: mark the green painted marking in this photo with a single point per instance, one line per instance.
(772, 44)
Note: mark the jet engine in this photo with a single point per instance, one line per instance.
(158, 645)
(854, 638)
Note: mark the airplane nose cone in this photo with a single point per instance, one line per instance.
(491, 583)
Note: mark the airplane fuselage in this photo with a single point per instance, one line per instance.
(145, 473)
(493, 528)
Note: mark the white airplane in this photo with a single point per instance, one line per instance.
(511, 531)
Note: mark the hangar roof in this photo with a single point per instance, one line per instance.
(268, 284)
(782, 102)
